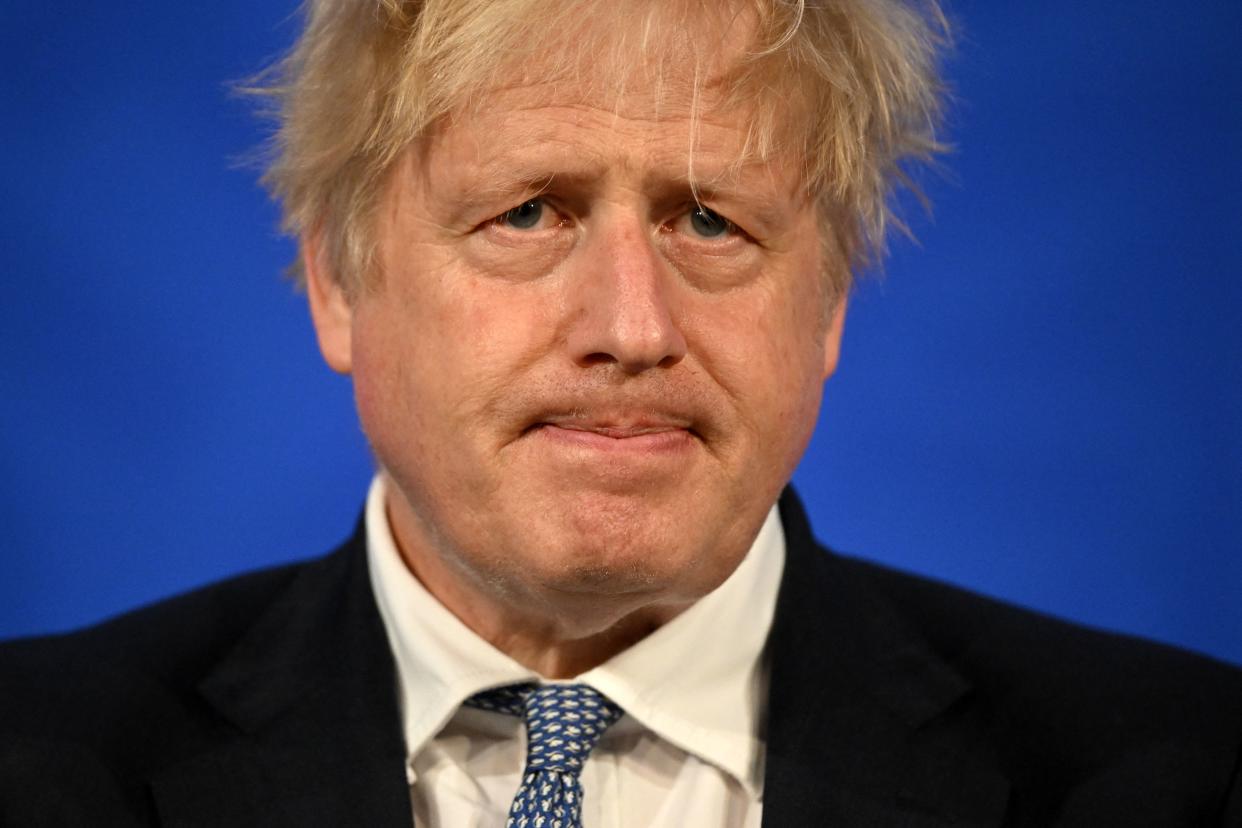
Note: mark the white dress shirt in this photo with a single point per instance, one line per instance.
(688, 751)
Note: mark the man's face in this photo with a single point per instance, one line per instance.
(586, 387)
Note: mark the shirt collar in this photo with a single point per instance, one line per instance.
(697, 682)
(440, 661)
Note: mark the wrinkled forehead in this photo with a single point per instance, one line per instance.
(659, 61)
(676, 49)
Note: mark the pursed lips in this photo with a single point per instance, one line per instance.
(640, 433)
(619, 432)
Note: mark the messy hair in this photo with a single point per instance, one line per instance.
(847, 89)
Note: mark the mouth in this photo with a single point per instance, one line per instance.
(617, 435)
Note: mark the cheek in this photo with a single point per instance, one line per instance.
(765, 348)
(399, 350)
(381, 380)
(409, 402)
(801, 349)
(443, 356)
(767, 338)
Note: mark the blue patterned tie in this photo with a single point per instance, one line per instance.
(563, 723)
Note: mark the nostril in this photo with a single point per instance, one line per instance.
(669, 361)
(598, 358)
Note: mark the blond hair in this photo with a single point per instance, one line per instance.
(850, 86)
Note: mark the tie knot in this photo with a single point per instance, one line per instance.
(563, 721)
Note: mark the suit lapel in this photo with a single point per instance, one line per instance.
(867, 726)
(311, 695)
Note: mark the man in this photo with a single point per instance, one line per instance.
(587, 265)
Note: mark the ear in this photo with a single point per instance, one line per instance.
(330, 309)
(832, 336)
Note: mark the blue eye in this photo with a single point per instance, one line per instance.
(709, 224)
(525, 216)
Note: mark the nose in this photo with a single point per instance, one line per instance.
(621, 303)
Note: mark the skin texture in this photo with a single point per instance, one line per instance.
(584, 417)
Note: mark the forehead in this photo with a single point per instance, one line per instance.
(552, 136)
(675, 110)
(644, 69)
(564, 119)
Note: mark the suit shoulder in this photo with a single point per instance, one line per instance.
(87, 717)
(1057, 669)
(137, 666)
(203, 618)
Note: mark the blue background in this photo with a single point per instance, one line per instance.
(1042, 401)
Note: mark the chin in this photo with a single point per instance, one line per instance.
(624, 553)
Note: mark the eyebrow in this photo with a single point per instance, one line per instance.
(763, 206)
(505, 178)
(488, 188)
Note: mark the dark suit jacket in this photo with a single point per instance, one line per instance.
(269, 700)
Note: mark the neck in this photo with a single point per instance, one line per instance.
(553, 654)
(556, 641)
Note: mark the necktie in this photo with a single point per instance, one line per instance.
(563, 723)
